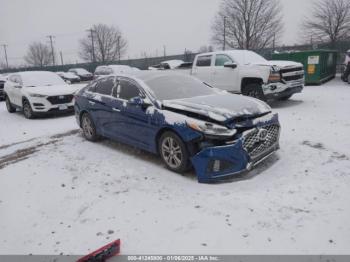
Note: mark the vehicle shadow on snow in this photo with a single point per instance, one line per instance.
(190, 175)
(284, 104)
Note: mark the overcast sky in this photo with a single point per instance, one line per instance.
(147, 24)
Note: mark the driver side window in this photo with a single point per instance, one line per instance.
(221, 60)
(128, 90)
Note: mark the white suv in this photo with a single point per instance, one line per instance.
(37, 93)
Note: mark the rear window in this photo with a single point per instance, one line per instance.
(204, 60)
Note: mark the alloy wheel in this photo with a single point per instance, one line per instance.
(27, 111)
(172, 153)
(87, 127)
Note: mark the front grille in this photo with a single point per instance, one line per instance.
(56, 100)
(293, 78)
(2, 83)
(288, 70)
(256, 144)
(292, 74)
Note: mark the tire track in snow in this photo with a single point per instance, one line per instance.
(25, 153)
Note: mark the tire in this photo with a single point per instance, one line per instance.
(9, 106)
(254, 90)
(173, 152)
(89, 128)
(285, 98)
(27, 110)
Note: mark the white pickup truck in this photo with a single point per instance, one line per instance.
(247, 73)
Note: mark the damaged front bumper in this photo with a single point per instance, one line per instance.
(282, 89)
(222, 162)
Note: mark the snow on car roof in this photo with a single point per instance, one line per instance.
(40, 78)
(240, 56)
(148, 75)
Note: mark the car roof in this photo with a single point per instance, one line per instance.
(233, 51)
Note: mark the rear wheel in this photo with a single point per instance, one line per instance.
(89, 129)
(254, 90)
(27, 110)
(9, 106)
(173, 152)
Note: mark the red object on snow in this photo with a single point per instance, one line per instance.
(104, 253)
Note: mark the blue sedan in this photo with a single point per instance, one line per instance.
(188, 123)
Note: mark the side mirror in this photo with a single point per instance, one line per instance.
(68, 82)
(230, 65)
(138, 101)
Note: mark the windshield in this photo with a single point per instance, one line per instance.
(169, 87)
(32, 79)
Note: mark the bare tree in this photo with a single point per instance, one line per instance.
(329, 21)
(205, 49)
(38, 54)
(103, 44)
(247, 24)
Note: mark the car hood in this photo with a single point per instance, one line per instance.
(222, 107)
(52, 90)
(281, 64)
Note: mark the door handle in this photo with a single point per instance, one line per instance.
(116, 109)
(91, 103)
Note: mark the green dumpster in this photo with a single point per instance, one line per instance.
(319, 65)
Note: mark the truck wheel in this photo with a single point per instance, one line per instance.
(285, 98)
(254, 90)
(27, 110)
(9, 106)
(173, 152)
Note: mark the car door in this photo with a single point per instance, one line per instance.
(136, 126)
(203, 69)
(16, 90)
(225, 78)
(100, 104)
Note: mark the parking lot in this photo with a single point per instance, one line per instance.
(62, 194)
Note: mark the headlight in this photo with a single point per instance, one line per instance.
(36, 95)
(275, 75)
(211, 129)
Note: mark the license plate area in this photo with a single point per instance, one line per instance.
(62, 107)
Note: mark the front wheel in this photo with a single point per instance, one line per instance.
(173, 152)
(27, 110)
(89, 129)
(254, 90)
(9, 106)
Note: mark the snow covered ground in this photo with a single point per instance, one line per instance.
(62, 194)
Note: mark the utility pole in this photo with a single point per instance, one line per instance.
(224, 47)
(7, 62)
(164, 50)
(51, 37)
(119, 56)
(93, 59)
(61, 57)
(274, 42)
